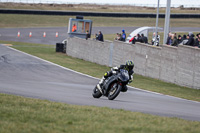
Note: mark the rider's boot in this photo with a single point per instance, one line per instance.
(100, 85)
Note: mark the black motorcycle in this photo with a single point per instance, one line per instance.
(112, 86)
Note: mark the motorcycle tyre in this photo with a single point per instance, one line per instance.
(116, 93)
(96, 93)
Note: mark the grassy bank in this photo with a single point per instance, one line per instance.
(13, 20)
(96, 8)
(48, 53)
(25, 115)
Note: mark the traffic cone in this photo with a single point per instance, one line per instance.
(30, 34)
(18, 34)
(56, 34)
(44, 34)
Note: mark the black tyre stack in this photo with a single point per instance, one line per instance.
(60, 47)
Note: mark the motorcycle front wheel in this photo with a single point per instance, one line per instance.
(96, 93)
(114, 91)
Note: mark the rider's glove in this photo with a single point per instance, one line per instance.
(114, 68)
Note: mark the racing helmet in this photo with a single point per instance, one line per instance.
(130, 65)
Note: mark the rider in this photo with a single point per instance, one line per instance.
(129, 67)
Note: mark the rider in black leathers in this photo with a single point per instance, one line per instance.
(129, 67)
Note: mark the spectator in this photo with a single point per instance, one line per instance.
(180, 40)
(174, 40)
(199, 40)
(132, 40)
(184, 37)
(190, 41)
(187, 37)
(169, 41)
(196, 40)
(118, 37)
(155, 40)
(87, 35)
(123, 35)
(192, 35)
(144, 39)
(96, 36)
(185, 40)
(175, 35)
(138, 38)
(100, 36)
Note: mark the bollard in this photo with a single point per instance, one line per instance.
(30, 34)
(18, 34)
(44, 34)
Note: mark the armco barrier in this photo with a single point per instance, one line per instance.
(97, 14)
(179, 65)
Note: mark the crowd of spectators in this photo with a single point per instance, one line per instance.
(189, 40)
(139, 38)
(143, 39)
(121, 37)
(172, 39)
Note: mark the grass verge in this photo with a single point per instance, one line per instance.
(48, 53)
(62, 21)
(96, 8)
(26, 115)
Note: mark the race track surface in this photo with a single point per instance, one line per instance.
(10, 34)
(24, 75)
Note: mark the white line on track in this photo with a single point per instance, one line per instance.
(98, 78)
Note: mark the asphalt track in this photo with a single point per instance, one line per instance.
(10, 34)
(25, 75)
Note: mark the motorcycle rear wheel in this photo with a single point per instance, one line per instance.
(114, 91)
(96, 93)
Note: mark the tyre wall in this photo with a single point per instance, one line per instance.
(96, 14)
(179, 65)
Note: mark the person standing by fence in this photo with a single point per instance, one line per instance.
(123, 36)
(100, 36)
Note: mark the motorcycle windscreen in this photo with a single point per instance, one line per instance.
(124, 76)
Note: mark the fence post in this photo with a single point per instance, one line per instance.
(167, 21)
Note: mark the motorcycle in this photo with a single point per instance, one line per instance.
(113, 85)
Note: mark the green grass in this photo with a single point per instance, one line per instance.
(48, 53)
(26, 115)
(13, 20)
(96, 8)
